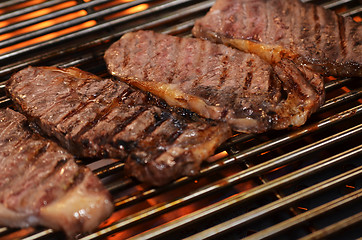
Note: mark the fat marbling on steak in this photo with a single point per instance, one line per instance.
(40, 183)
(329, 43)
(217, 81)
(101, 118)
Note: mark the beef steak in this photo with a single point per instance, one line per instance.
(217, 81)
(329, 43)
(98, 118)
(40, 183)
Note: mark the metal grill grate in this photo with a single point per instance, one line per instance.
(299, 183)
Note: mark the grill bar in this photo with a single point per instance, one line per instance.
(335, 3)
(40, 235)
(342, 99)
(352, 12)
(324, 209)
(10, 3)
(289, 200)
(337, 83)
(335, 228)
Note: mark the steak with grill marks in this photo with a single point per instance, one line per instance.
(217, 81)
(309, 34)
(40, 183)
(98, 118)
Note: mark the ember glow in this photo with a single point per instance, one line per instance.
(131, 10)
(357, 19)
(52, 21)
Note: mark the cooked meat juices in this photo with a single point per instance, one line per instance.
(329, 43)
(217, 81)
(98, 118)
(40, 183)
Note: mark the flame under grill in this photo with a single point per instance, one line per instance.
(301, 183)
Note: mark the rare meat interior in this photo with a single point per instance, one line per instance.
(180, 119)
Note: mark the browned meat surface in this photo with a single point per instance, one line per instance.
(40, 183)
(329, 43)
(216, 81)
(97, 118)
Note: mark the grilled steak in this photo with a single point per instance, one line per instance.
(40, 183)
(217, 81)
(329, 43)
(94, 117)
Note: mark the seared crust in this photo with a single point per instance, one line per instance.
(102, 118)
(327, 42)
(38, 177)
(217, 81)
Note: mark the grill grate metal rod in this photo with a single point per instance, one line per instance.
(8, 3)
(336, 227)
(289, 200)
(335, 3)
(317, 212)
(341, 100)
(352, 12)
